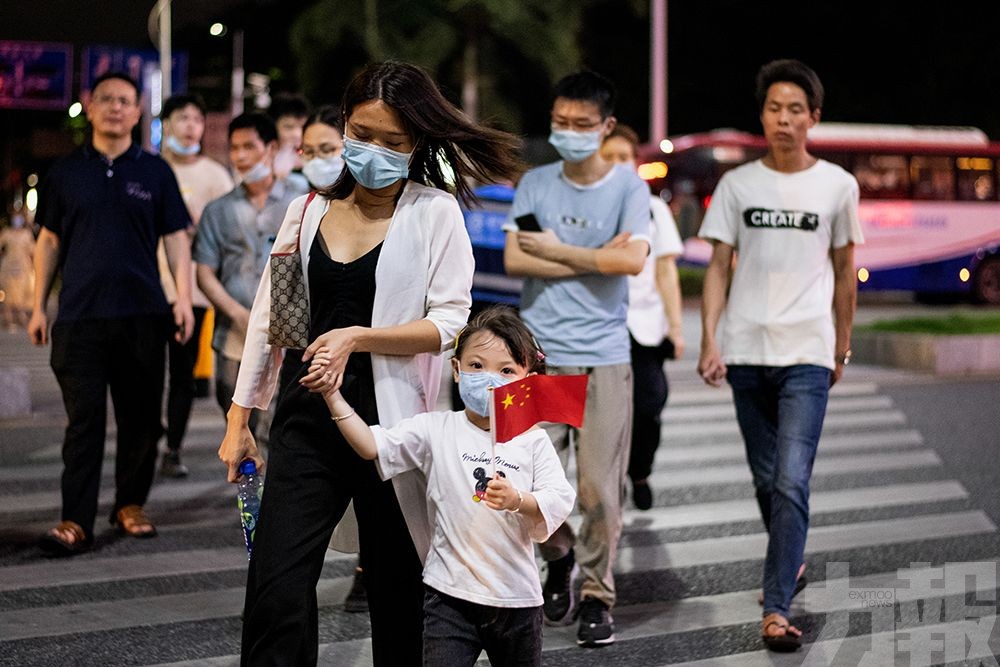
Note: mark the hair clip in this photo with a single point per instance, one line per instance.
(539, 355)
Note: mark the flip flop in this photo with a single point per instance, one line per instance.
(800, 584)
(55, 544)
(783, 643)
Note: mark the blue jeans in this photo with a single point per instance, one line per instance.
(457, 631)
(780, 410)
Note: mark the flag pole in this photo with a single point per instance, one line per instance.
(493, 436)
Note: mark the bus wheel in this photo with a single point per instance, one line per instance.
(986, 285)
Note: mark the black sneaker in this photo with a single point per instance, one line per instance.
(171, 466)
(357, 598)
(597, 628)
(642, 495)
(557, 594)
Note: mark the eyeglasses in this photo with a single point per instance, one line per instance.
(323, 151)
(577, 125)
(110, 100)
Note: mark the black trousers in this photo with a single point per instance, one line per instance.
(307, 485)
(649, 398)
(89, 357)
(181, 359)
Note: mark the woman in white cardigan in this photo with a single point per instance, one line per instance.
(388, 268)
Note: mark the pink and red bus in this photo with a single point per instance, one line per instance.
(929, 199)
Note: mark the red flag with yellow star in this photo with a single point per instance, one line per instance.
(519, 405)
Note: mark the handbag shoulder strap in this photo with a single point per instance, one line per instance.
(298, 234)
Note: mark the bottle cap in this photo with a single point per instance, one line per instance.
(248, 467)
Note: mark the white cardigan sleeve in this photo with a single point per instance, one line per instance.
(261, 362)
(449, 280)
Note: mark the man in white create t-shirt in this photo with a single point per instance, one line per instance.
(791, 221)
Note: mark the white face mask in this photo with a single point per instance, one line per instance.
(575, 146)
(256, 173)
(322, 172)
(177, 148)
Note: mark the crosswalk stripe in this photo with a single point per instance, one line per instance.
(702, 413)
(922, 646)
(699, 394)
(47, 500)
(705, 514)
(844, 422)
(672, 453)
(142, 611)
(81, 570)
(672, 478)
(823, 538)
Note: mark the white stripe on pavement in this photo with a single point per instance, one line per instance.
(920, 646)
(83, 570)
(852, 421)
(821, 502)
(674, 478)
(142, 611)
(823, 538)
(671, 453)
(696, 394)
(721, 411)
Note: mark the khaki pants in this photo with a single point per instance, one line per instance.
(601, 447)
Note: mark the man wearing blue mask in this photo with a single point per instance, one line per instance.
(594, 221)
(233, 244)
(201, 179)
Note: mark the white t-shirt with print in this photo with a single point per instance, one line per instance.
(783, 227)
(478, 554)
(647, 320)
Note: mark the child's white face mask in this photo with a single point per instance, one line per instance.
(474, 389)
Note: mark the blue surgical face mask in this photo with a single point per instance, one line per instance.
(322, 172)
(256, 173)
(177, 148)
(373, 166)
(474, 389)
(575, 146)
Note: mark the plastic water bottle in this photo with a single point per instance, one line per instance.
(249, 491)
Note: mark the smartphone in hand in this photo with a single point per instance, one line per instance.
(528, 223)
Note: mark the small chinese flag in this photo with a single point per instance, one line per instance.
(519, 405)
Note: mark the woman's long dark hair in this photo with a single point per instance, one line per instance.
(439, 131)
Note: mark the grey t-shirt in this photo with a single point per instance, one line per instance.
(581, 321)
(234, 239)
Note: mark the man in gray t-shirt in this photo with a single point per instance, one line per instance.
(594, 221)
(234, 242)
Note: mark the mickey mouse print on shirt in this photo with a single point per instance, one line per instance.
(481, 482)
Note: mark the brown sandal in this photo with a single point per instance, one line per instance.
(132, 521)
(785, 642)
(55, 543)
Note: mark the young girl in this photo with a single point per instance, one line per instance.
(482, 590)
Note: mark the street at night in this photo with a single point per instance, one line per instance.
(468, 333)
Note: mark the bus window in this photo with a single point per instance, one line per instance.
(932, 177)
(882, 176)
(975, 178)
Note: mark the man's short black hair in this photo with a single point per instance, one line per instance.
(288, 104)
(254, 120)
(121, 76)
(791, 71)
(589, 86)
(181, 100)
